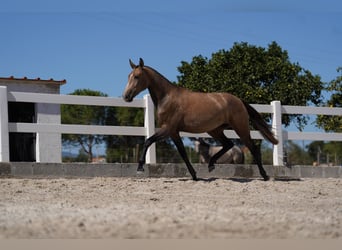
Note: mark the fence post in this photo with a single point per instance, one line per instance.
(4, 137)
(149, 124)
(278, 150)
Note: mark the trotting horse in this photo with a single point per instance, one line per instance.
(179, 109)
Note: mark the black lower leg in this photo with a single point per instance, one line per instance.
(255, 151)
(180, 146)
(160, 135)
(226, 145)
(263, 173)
(143, 156)
(215, 157)
(257, 156)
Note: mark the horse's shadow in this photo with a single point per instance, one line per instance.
(212, 179)
(242, 179)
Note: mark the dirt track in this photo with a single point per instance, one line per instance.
(170, 208)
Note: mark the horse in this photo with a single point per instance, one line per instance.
(206, 151)
(180, 109)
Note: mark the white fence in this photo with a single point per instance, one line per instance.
(275, 108)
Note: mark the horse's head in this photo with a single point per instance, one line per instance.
(137, 81)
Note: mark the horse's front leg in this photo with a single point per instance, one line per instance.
(161, 134)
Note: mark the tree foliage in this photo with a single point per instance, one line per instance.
(85, 115)
(326, 152)
(296, 155)
(124, 148)
(333, 123)
(254, 74)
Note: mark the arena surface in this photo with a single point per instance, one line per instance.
(170, 208)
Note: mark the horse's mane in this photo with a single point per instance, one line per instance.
(161, 76)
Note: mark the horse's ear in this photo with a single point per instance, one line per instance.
(141, 62)
(132, 64)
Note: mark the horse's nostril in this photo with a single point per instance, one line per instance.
(128, 98)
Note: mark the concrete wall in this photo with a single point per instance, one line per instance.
(58, 170)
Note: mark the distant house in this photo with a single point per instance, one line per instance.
(34, 147)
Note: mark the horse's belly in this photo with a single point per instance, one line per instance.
(201, 125)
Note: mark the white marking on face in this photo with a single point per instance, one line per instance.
(130, 77)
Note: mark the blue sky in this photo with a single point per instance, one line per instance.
(88, 43)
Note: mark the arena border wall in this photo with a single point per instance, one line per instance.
(169, 170)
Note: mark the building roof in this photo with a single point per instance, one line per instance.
(12, 78)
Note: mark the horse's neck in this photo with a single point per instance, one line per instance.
(159, 86)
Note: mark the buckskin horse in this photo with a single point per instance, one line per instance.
(179, 109)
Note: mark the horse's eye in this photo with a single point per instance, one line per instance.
(136, 77)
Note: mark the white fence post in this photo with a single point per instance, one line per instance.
(278, 150)
(4, 137)
(149, 124)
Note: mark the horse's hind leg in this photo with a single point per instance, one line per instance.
(241, 127)
(226, 145)
(255, 151)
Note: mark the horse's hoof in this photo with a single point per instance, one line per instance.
(194, 178)
(140, 170)
(266, 178)
(211, 168)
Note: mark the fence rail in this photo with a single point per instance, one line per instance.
(275, 108)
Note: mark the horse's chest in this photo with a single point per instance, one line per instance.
(166, 113)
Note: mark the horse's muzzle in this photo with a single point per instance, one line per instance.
(128, 98)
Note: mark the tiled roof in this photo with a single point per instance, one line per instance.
(61, 82)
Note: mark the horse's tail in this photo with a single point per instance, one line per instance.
(260, 124)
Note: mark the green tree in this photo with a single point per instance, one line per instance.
(326, 152)
(333, 123)
(256, 75)
(333, 153)
(85, 115)
(124, 148)
(297, 155)
(314, 150)
(82, 156)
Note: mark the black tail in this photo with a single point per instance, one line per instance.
(259, 123)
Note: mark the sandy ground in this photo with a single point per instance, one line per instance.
(170, 208)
